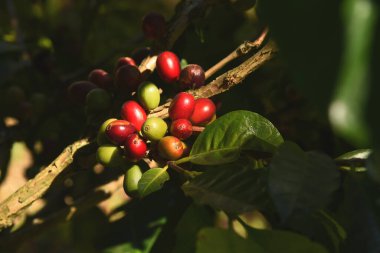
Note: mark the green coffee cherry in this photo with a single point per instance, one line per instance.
(98, 100)
(148, 95)
(110, 156)
(101, 138)
(154, 129)
(132, 177)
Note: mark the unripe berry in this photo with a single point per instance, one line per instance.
(170, 148)
(117, 131)
(192, 77)
(98, 100)
(181, 128)
(154, 129)
(148, 95)
(135, 147)
(131, 111)
(204, 111)
(102, 138)
(110, 156)
(154, 25)
(168, 67)
(182, 106)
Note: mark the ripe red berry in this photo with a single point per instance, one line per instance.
(135, 147)
(128, 78)
(170, 148)
(192, 76)
(134, 113)
(78, 91)
(182, 106)
(124, 61)
(181, 128)
(101, 78)
(204, 111)
(154, 25)
(168, 67)
(118, 130)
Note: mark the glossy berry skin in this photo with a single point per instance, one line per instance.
(154, 25)
(192, 77)
(154, 129)
(128, 78)
(182, 106)
(78, 91)
(131, 179)
(131, 111)
(101, 137)
(122, 61)
(101, 78)
(117, 131)
(134, 147)
(204, 111)
(110, 156)
(181, 128)
(168, 67)
(170, 148)
(148, 95)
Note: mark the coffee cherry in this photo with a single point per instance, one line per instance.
(181, 128)
(135, 147)
(102, 138)
(140, 54)
(170, 148)
(78, 91)
(192, 76)
(134, 113)
(148, 95)
(154, 25)
(154, 129)
(168, 67)
(128, 78)
(101, 78)
(110, 156)
(98, 100)
(204, 111)
(182, 106)
(117, 131)
(122, 61)
(131, 179)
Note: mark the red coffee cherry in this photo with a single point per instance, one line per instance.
(154, 25)
(192, 76)
(128, 78)
(168, 67)
(170, 148)
(78, 91)
(204, 111)
(135, 147)
(131, 111)
(101, 78)
(117, 131)
(182, 106)
(122, 61)
(181, 128)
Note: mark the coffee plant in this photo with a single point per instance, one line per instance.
(189, 126)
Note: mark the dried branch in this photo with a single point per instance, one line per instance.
(35, 188)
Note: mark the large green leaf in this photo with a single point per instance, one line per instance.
(194, 219)
(225, 241)
(151, 181)
(301, 180)
(223, 140)
(229, 187)
(274, 241)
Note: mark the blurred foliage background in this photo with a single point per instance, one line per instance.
(320, 93)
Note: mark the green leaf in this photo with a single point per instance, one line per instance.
(152, 180)
(231, 187)
(225, 241)
(359, 153)
(354, 160)
(223, 140)
(194, 219)
(274, 241)
(347, 112)
(301, 180)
